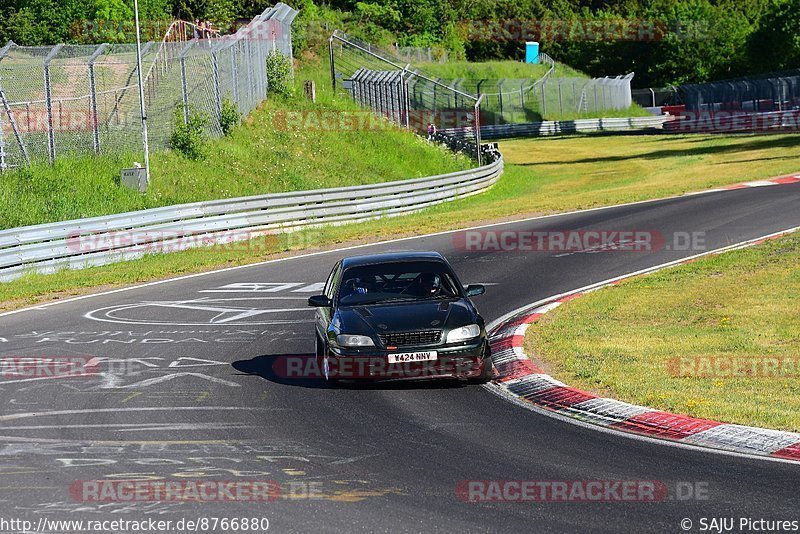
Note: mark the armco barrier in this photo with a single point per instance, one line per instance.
(734, 122)
(46, 248)
(536, 129)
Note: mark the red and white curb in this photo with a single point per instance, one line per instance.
(521, 381)
(780, 180)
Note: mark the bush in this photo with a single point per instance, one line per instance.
(189, 138)
(229, 116)
(279, 74)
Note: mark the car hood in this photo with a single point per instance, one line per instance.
(403, 317)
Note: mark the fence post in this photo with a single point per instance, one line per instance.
(575, 97)
(333, 67)
(48, 95)
(544, 99)
(560, 102)
(234, 73)
(184, 88)
(478, 154)
(248, 54)
(500, 94)
(93, 97)
(3, 52)
(215, 74)
(2, 147)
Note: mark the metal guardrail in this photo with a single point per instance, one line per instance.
(734, 122)
(536, 129)
(76, 244)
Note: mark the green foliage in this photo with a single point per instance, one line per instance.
(279, 74)
(229, 116)
(189, 137)
(706, 39)
(776, 43)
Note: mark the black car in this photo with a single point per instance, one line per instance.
(399, 316)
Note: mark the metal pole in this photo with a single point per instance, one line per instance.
(48, 95)
(333, 69)
(234, 76)
(215, 73)
(93, 97)
(141, 94)
(2, 147)
(478, 129)
(544, 99)
(184, 88)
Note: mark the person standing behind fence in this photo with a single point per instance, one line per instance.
(431, 131)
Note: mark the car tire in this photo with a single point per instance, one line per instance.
(486, 372)
(321, 350)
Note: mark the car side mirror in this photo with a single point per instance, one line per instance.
(319, 301)
(473, 290)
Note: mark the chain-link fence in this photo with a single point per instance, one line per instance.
(509, 100)
(378, 81)
(76, 99)
(772, 92)
(420, 54)
(503, 101)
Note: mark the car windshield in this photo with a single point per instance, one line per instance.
(397, 282)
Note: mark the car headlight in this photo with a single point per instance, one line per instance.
(464, 333)
(352, 340)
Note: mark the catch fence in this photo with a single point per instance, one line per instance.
(69, 100)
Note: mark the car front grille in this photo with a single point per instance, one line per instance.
(406, 339)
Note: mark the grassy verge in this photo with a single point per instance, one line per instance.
(484, 70)
(542, 176)
(717, 338)
(267, 153)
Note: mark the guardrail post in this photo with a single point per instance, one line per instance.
(48, 95)
(93, 97)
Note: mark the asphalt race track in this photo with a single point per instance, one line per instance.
(186, 390)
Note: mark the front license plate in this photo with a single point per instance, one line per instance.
(412, 357)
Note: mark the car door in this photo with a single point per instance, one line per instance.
(324, 315)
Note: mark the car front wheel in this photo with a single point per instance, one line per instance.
(486, 372)
(322, 359)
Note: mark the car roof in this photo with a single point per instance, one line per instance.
(392, 257)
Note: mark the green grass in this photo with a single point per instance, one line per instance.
(258, 157)
(484, 70)
(542, 176)
(496, 69)
(624, 341)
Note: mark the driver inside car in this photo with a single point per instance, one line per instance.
(429, 284)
